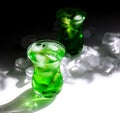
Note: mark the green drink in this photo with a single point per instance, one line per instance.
(46, 55)
(70, 34)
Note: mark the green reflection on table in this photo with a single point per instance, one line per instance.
(28, 102)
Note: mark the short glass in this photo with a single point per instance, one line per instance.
(70, 21)
(47, 80)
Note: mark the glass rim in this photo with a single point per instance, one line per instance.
(46, 40)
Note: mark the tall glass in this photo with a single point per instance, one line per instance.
(70, 21)
(46, 55)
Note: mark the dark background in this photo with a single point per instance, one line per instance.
(19, 19)
(22, 18)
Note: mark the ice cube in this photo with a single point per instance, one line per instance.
(84, 62)
(52, 46)
(65, 60)
(51, 57)
(41, 58)
(35, 48)
(90, 50)
(63, 66)
(83, 65)
(108, 65)
(89, 55)
(29, 72)
(78, 67)
(64, 71)
(22, 63)
(111, 41)
(94, 61)
(77, 71)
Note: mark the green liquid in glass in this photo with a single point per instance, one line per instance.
(70, 20)
(46, 55)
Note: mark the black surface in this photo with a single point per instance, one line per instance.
(22, 18)
(19, 19)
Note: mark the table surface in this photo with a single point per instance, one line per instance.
(93, 93)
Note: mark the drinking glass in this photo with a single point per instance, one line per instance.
(70, 21)
(46, 55)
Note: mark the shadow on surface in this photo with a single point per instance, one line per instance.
(28, 102)
(20, 75)
(2, 80)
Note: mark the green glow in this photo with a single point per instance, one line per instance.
(46, 56)
(66, 21)
(28, 102)
(71, 32)
(70, 22)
